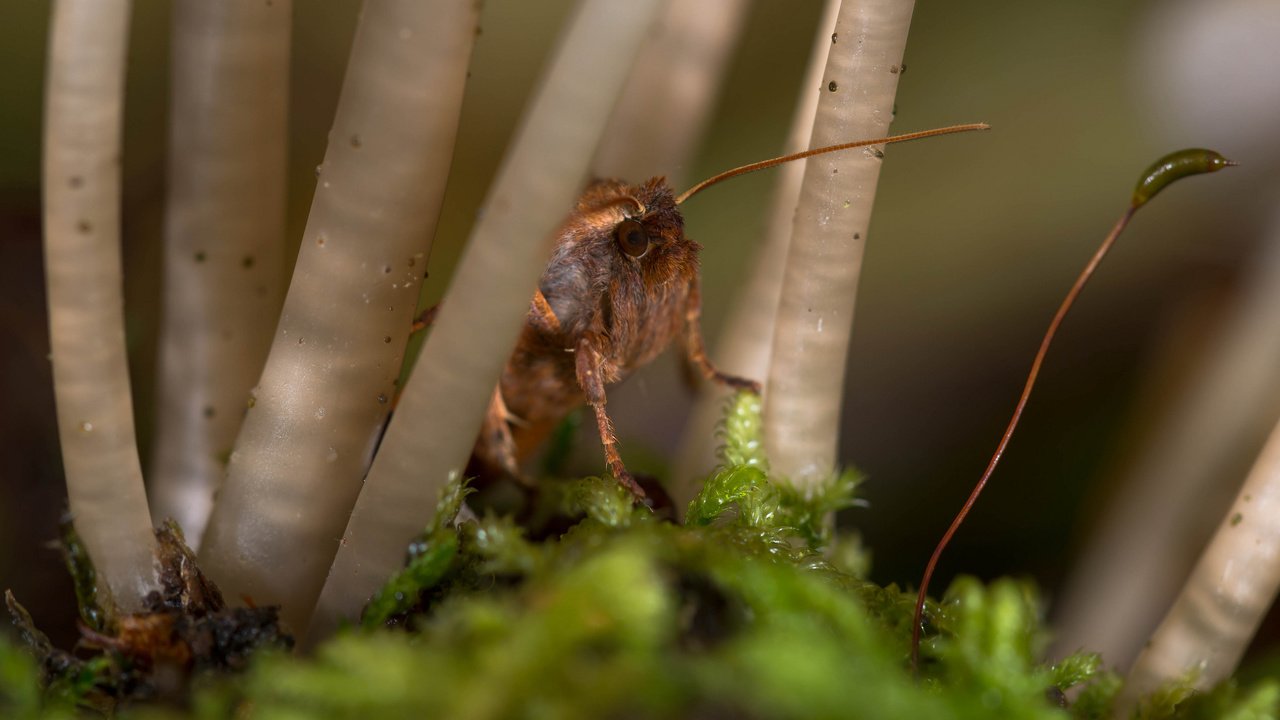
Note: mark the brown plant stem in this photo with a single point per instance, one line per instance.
(1049, 334)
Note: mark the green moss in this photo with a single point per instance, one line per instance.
(746, 610)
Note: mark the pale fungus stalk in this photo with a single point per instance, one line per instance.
(667, 99)
(325, 392)
(460, 365)
(84, 98)
(746, 342)
(815, 312)
(224, 241)
(1229, 592)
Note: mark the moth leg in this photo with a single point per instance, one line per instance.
(499, 447)
(425, 320)
(696, 350)
(591, 377)
(542, 316)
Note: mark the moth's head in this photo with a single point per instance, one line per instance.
(640, 225)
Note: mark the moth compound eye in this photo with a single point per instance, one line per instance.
(632, 238)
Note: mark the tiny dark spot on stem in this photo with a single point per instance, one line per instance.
(208, 411)
(200, 256)
(893, 69)
(857, 236)
(412, 262)
(834, 37)
(355, 141)
(386, 269)
(878, 153)
(302, 341)
(319, 168)
(382, 398)
(832, 86)
(386, 339)
(84, 227)
(1236, 519)
(247, 262)
(76, 181)
(902, 68)
(835, 171)
(320, 241)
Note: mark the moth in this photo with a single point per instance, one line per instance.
(621, 286)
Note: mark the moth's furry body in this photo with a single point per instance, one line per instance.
(602, 310)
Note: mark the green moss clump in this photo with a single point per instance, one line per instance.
(746, 610)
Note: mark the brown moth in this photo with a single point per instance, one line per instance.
(622, 285)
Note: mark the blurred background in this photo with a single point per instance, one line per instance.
(973, 243)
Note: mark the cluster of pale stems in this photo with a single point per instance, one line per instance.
(306, 515)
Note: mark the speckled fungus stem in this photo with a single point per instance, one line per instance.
(668, 96)
(224, 241)
(459, 367)
(325, 392)
(84, 98)
(815, 312)
(1230, 590)
(746, 343)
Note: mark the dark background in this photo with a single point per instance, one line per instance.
(975, 239)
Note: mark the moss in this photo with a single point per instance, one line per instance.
(746, 610)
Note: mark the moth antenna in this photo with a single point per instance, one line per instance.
(764, 164)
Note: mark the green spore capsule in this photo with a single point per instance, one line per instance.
(1174, 167)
